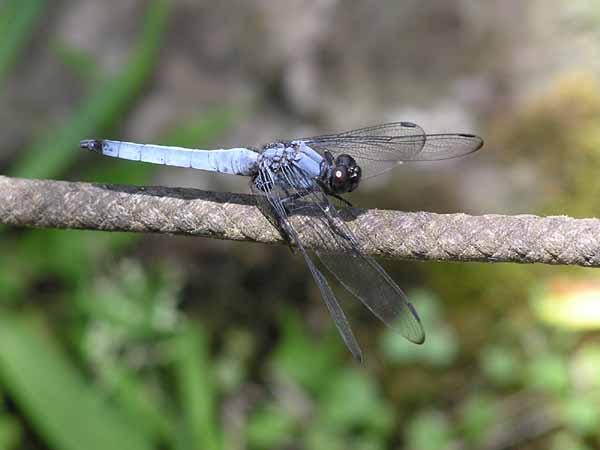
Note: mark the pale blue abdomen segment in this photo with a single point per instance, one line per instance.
(235, 161)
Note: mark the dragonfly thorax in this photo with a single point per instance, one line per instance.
(340, 175)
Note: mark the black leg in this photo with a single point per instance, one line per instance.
(342, 199)
(333, 194)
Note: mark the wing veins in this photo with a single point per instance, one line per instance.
(278, 209)
(390, 306)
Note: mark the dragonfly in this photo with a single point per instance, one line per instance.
(306, 179)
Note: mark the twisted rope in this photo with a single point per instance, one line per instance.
(392, 234)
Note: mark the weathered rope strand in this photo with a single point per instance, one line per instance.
(393, 234)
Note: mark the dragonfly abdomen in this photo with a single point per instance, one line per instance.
(235, 161)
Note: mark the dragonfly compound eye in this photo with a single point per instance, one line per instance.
(346, 174)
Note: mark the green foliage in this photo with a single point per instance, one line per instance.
(547, 373)
(327, 405)
(442, 345)
(18, 20)
(104, 108)
(479, 414)
(79, 62)
(581, 414)
(65, 409)
(10, 431)
(270, 426)
(428, 431)
(353, 401)
(195, 381)
(297, 357)
(564, 439)
(501, 365)
(231, 367)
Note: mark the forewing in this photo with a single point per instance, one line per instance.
(342, 254)
(273, 204)
(381, 147)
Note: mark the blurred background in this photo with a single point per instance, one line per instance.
(154, 342)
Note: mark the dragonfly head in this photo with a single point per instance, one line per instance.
(344, 175)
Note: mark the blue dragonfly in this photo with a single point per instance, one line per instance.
(307, 178)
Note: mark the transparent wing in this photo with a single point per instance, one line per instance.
(343, 257)
(274, 205)
(381, 147)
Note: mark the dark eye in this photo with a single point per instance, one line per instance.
(345, 175)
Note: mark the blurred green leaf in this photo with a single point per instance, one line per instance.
(479, 413)
(586, 367)
(353, 400)
(441, 348)
(368, 442)
(57, 149)
(429, 430)
(547, 372)
(79, 61)
(501, 365)
(321, 437)
(232, 365)
(12, 282)
(129, 313)
(197, 393)
(142, 408)
(69, 251)
(68, 412)
(201, 129)
(67, 254)
(270, 427)
(564, 440)
(18, 19)
(133, 301)
(307, 362)
(10, 432)
(582, 414)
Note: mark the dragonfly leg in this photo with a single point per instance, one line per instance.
(333, 194)
(342, 199)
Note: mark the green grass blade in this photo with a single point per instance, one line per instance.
(200, 130)
(134, 400)
(80, 62)
(55, 151)
(65, 410)
(194, 378)
(18, 19)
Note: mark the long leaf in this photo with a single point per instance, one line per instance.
(55, 151)
(66, 411)
(194, 378)
(17, 23)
